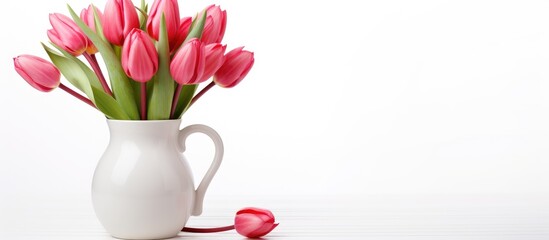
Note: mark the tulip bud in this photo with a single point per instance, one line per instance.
(187, 65)
(119, 18)
(182, 32)
(38, 72)
(170, 8)
(67, 35)
(254, 222)
(214, 28)
(237, 64)
(87, 15)
(139, 56)
(214, 59)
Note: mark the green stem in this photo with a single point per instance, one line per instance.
(75, 94)
(143, 101)
(175, 100)
(207, 230)
(95, 66)
(202, 92)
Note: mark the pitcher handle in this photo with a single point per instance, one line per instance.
(203, 186)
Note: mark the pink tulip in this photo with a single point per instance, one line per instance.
(249, 222)
(182, 32)
(139, 56)
(170, 8)
(67, 35)
(38, 72)
(214, 59)
(119, 19)
(214, 28)
(187, 66)
(237, 64)
(254, 222)
(87, 15)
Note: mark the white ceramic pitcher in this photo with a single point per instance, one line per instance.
(143, 186)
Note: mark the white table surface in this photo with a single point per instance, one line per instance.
(524, 217)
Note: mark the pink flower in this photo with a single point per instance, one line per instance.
(88, 17)
(214, 28)
(139, 56)
(237, 64)
(188, 64)
(214, 59)
(119, 19)
(170, 8)
(67, 35)
(254, 222)
(182, 32)
(38, 72)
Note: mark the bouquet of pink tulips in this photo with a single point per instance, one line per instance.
(155, 59)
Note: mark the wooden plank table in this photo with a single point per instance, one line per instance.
(382, 217)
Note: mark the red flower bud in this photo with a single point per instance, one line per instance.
(187, 66)
(237, 64)
(214, 28)
(38, 72)
(254, 222)
(139, 56)
(120, 17)
(170, 9)
(214, 59)
(87, 15)
(67, 35)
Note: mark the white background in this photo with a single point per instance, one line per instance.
(346, 97)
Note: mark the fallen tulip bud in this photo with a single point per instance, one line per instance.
(254, 222)
(249, 222)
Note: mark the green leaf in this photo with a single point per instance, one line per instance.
(197, 27)
(98, 24)
(163, 85)
(143, 15)
(187, 94)
(71, 71)
(92, 77)
(120, 83)
(108, 105)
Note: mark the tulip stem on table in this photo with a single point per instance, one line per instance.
(75, 94)
(95, 66)
(143, 101)
(202, 92)
(207, 230)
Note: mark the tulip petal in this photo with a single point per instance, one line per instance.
(256, 211)
(66, 34)
(237, 65)
(39, 73)
(215, 25)
(31, 81)
(254, 222)
(262, 231)
(139, 57)
(170, 10)
(120, 17)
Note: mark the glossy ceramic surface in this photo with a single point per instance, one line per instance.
(143, 186)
